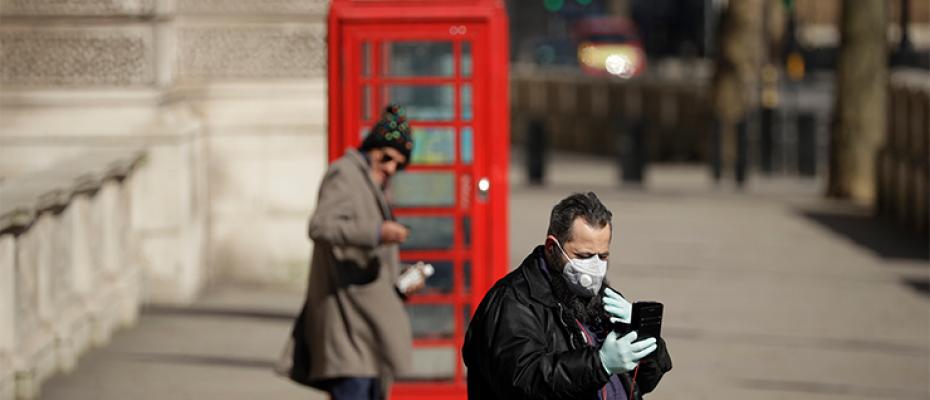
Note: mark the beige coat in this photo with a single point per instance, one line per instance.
(356, 325)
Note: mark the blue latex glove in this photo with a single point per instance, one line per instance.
(618, 308)
(621, 355)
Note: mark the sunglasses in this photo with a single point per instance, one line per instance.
(386, 158)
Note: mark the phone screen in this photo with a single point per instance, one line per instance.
(647, 319)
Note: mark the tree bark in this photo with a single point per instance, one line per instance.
(860, 112)
(735, 81)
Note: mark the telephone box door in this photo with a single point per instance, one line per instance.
(438, 71)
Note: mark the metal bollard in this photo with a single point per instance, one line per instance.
(807, 144)
(716, 149)
(769, 128)
(632, 150)
(536, 149)
(742, 151)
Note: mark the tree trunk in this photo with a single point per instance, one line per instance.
(739, 53)
(859, 117)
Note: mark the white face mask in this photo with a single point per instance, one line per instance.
(584, 276)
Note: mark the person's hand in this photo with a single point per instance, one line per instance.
(619, 309)
(415, 287)
(413, 278)
(621, 354)
(393, 232)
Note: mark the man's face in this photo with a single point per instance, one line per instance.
(586, 241)
(385, 162)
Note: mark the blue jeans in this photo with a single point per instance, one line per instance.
(353, 388)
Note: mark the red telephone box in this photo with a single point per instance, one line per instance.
(447, 63)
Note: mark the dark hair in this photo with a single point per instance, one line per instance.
(585, 205)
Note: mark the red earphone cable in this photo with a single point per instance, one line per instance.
(633, 382)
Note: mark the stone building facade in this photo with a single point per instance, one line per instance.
(228, 97)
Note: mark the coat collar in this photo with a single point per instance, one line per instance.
(539, 287)
(358, 159)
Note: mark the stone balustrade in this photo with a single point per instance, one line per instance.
(68, 277)
(903, 163)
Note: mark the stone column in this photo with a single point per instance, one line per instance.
(118, 271)
(130, 284)
(82, 278)
(66, 317)
(108, 272)
(34, 351)
(7, 318)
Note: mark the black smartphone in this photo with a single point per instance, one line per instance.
(647, 319)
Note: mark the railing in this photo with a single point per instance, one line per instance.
(902, 178)
(584, 114)
(67, 273)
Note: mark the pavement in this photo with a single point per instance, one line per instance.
(771, 292)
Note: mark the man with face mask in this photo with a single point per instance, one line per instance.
(546, 330)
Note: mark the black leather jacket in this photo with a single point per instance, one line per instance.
(519, 345)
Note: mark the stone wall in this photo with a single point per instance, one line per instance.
(69, 265)
(229, 98)
(254, 72)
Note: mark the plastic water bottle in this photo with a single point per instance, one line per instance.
(414, 275)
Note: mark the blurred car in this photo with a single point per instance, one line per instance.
(609, 45)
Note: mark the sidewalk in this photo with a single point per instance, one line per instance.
(770, 294)
(223, 347)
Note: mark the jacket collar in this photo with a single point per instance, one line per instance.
(538, 283)
(359, 160)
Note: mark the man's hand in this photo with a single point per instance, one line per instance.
(621, 355)
(619, 309)
(393, 232)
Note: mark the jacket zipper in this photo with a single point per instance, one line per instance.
(571, 332)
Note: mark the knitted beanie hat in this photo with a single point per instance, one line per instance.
(392, 130)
